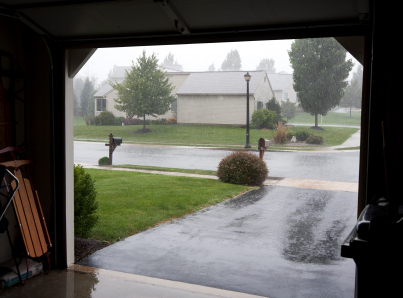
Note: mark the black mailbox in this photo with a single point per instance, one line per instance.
(117, 141)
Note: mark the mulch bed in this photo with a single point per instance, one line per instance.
(86, 247)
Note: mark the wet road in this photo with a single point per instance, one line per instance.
(332, 166)
(274, 242)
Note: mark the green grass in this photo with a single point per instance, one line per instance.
(79, 121)
(131, 202)
(349, 148)
(162, 169)
(331, 118)
(198, 135)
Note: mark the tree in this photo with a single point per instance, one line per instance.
(320, 71)
(353, 92)
(274, 105)
(76, 106)
(267, 65)
(88, 88)
(288, 109)
(232, 62)
(169, 59)
(91, 104)
(211, 67)
(145, 91)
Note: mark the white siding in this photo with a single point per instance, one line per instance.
(292, 95)
(263, 92)
(214, 109)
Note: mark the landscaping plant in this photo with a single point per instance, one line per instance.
(242, 168)
(171, 121)
(281, 136)
(302, 136)
(85, 204)
(313, 139)
(264, 118)
(103, 161)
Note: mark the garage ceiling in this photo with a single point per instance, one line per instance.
(71, 20)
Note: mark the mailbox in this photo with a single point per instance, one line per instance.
(117, 141)
(263, 144)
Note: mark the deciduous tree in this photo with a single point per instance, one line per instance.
(267, 65)
(288, 109)
(232, 61)
(320, 73)
(145, 91)
(353, 92)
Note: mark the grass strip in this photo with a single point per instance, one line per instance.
(162, 169)
(349, 148)
(131, 202)
(332, 118)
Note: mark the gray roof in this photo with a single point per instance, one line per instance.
(119, 71)
(220, 82)
(279, 81)
(105, 89)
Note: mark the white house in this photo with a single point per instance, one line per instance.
(105, 96)
(220, 97)
(283, 88)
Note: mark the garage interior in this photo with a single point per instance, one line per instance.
(44, 43)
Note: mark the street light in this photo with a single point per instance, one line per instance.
(247, 79)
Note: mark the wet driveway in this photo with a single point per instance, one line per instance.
(329, 166)
(274, 242)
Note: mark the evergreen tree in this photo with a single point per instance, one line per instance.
(85, 96)
(288, 109)
(267, 65)
(145, 91)
(232, 62)
(274, 105)
(320, 71)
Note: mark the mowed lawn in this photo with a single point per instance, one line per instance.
(199, 135)
(131, 202)
(331, 118)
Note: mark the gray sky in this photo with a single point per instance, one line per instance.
(194, 57)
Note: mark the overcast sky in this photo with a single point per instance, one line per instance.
(194, 57)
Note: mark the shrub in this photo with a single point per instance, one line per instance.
(302, 135)
(281, 136)
(105, 118)
(103, 161)
(119, 121)
(160, 121)
(170, 121)
(242, 168)
(264, 118)
(313, 139)
(85, 204)
(132, 121)
(89, 120)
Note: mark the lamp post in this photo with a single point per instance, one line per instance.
(247, 79)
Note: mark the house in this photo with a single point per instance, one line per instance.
(220, 97)
(106, 95)
(283, 88)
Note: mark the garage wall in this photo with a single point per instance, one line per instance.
(31, 53)
(214, 109)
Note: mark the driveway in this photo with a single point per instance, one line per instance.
(274, 241)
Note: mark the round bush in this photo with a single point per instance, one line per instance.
(170, 121)
(105, 118)
(264, 118)
(313, 139)
(302, 135)
(85, 204)
(242, 168)
(103, 161)
(281, 136)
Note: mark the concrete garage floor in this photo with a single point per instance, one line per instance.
(274, 242)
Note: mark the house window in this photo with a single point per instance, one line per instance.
(285, 95)
(101, 104)
(174, 106)
(260, 105)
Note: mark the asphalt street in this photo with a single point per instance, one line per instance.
(274, 242)
(327, 166)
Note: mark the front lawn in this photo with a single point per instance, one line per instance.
(198, 135)
(131, 202)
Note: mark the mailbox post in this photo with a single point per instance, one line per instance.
(262, 146)
(113, 143)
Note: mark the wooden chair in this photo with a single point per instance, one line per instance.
(27, 208)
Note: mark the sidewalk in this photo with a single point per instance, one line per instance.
(286, 182)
